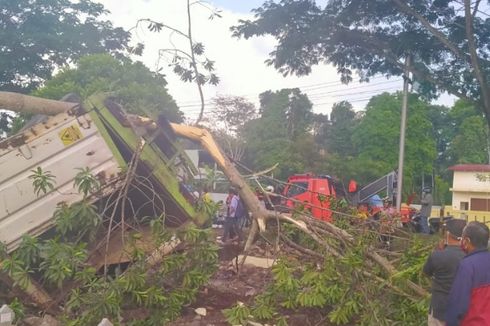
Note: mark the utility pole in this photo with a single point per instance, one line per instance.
(403, 125)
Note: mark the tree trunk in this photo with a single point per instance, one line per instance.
(246, 194)
(29, 104)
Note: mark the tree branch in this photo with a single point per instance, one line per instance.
(434, 31)
(477, 71)
(425, 76)
(177, 51)
(194, 65)
(376, 46)
(475, 9)
(148, 20)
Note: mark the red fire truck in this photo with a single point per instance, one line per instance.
(312, 192)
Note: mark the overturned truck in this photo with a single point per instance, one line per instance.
(64, 139)
(95, 135)
(101, 138)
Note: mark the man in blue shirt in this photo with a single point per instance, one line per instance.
(469, 300)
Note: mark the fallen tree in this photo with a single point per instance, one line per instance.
(333, 243)
(326, 250)
(261, 216)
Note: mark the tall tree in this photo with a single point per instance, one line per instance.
(229, 115)
(319, 128)
(447, 41)
(137, 88)
(343, 124)
(280, 133)
(443, 133)
(40, 35)
(289, 108)
(377, 136)
(190, 63)
(470, 142)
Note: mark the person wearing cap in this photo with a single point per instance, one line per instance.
(469, 299)
(441, 266)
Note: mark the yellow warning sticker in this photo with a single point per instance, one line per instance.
(70, 135)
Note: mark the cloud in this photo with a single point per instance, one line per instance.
(239, 63)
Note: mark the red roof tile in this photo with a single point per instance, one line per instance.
(471, 167)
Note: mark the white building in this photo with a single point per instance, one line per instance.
(471, 191)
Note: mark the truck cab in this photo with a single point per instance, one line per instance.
(312, 192)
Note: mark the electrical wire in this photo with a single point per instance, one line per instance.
(327, 88)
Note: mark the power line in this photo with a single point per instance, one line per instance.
(352, 99)
(355, 87)
(363, 92)
(305, 88)
(316, 96)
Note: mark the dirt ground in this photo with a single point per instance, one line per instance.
(225, 289)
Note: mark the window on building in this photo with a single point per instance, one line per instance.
(463, 205)
(480, 204)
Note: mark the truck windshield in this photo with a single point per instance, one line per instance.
(296, 188)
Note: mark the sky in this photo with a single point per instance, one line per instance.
(239, 62)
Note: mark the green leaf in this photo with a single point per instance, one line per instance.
(43, 181)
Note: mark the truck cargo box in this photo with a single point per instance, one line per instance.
(96, 137)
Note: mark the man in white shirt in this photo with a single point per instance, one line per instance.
(231, 218)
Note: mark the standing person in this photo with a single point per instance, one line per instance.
(425, 210)
(388, 208)
(387, 222)
(241, 214)
(441, 266)
(376, 204)
(469, 300)
(231, 220)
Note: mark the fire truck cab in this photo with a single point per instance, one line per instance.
(311, 192)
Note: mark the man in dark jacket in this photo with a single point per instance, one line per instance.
(441, 266)
(425, 210)
(469, 300)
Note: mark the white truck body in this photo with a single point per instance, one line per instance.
(60, 144)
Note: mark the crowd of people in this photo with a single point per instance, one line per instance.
(460, 272)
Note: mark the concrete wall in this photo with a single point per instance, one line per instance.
(467, 181)
(466, 186)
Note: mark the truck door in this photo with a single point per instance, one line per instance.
(297, 190)
(320, 193)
